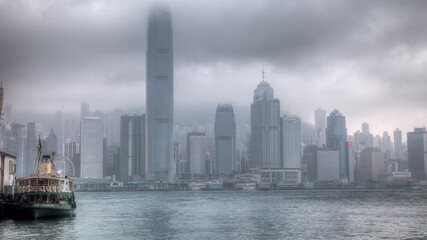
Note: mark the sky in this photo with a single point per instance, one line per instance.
(365, 58)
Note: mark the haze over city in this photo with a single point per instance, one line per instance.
(197, 119)
(365, 59)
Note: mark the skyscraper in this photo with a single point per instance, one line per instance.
(31, 148)
(59, 130)
(91, 148)
(159, 95)
(225, 139)
(397, 143)
(265, 128)
(367, 138)
(8, 113)
(417, 153)
(336, 137)
(50, 143)
(114, 128)
(365, 128)
(290, 133)
(14, 145)
(310, 162)
(386, 146)
(196, 152)
(371, 164)
(84, 110)
(132, 148)
(320, 125)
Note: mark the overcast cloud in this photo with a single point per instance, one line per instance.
(365, 58)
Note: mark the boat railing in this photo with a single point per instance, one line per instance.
(39, 188)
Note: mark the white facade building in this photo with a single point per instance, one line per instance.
(196, 151)
(291, 141)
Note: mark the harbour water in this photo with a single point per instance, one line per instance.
(326, 214)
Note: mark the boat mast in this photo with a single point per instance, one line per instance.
(37, 163)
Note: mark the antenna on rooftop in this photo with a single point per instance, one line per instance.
(263, 73)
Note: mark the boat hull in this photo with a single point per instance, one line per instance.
(38, 210)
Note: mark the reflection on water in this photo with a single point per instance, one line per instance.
(38, 229)
(235, 215)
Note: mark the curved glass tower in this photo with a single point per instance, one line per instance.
(159, 94)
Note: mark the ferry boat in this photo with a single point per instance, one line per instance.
(45, 193)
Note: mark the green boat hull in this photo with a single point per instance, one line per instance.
(40, 210)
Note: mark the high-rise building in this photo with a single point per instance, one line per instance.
(366, 138)
(159, 95)
(310, 162)
(265, 128)
(376, 143)
(132, 148)
(70, 130)
(31, 148)
(417, 153)
(112, 161)
(336, 137)
(371, 164)
(397, 144)
(14, 145)
(290, 133)
(91, 148)
(113, 136)
(319, 126)
(365, 128)
(84, 110)
(50, 143)
(386, 146)
(71, 149)
(350, 161)
(196, 152)
(59, 130)
(8, 113)
(225, 139)
(327, 165)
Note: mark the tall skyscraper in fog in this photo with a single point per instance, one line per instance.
(336, 137)
(225, 139)
(320, 125)
(159, 94)
(91, 148)
(417, 153)
(397, 143)
(265, 128)
(59, 130)
(84, 110)
(290, 133)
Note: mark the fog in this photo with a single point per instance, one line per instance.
(365, 58)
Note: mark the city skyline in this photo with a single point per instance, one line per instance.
(310, 67)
